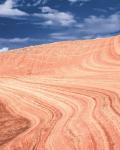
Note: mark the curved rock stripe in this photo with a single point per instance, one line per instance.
(61, 96)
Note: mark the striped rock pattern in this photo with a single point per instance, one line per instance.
(61, 96)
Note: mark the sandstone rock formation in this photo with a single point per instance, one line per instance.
(61, 96)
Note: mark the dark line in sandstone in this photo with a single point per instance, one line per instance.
(82, 91)
(11, 126)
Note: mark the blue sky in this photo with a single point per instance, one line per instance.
(30, 22)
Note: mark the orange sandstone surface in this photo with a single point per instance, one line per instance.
(61, 96)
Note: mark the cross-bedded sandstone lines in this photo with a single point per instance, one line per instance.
(62, 96)
(11, 125)
(64, 116)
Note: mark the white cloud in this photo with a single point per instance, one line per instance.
(82, 1)
(38, 2)
(62, 36)
(55, 17)
(7, 9)
(47, 9)
(17, 40)
(78, 1)
(4, 49)
(101, 24)
(91, 27)
(14, 40)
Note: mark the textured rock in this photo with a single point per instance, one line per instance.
(61, 96)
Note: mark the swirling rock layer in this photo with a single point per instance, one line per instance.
(61, 96)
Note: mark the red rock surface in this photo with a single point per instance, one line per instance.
(61, 96)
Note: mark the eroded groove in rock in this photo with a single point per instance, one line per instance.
(61, 96)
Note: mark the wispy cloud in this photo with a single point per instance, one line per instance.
(11, 43)
(14, 40)
(38, 2)
(7, 9)
(4, 49)
(62, 36)
(101, 24)
(82, 2)
(73, 1)
(91, 27)
(55, 17)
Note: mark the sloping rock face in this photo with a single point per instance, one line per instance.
(61, 96)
